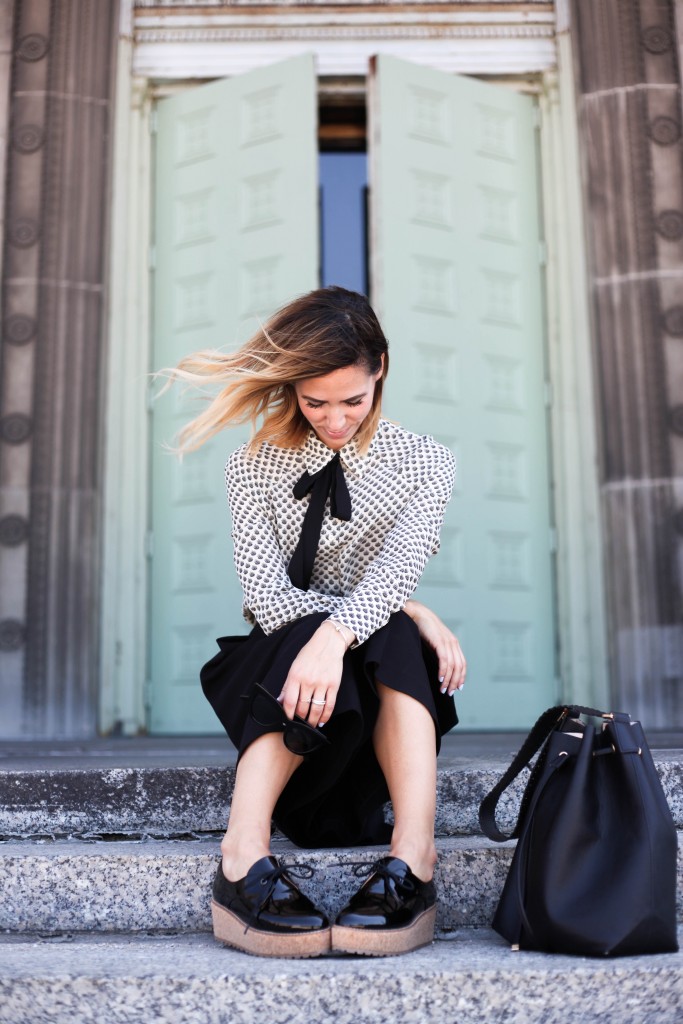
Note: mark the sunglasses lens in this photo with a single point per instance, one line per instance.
(298, 737)
(302, 739)
(265, 709)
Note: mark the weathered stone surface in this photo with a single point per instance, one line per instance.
(469, 979)
(174, 801)
(53, 888)
(114, 800)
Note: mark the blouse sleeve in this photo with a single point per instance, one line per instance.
(393, 575)
(269, 595)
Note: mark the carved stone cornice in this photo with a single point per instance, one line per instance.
(193, 6)
(401, 30)
(226, 39)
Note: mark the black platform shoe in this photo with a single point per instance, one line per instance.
(265, 913)
(392, 912)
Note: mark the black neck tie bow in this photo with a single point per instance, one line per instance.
(327, 482)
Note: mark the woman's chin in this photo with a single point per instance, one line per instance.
(335, 441)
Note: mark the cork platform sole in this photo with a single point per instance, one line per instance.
(390, 942)
(229, 929)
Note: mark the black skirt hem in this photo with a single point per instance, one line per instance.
(337, 796)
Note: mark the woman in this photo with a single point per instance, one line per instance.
(337, 699)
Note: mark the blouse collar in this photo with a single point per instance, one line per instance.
(316, 455)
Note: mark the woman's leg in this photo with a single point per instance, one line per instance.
(405, 746)
(256, 907)
(393, 911)
(263, 771)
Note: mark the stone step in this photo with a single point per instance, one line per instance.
(469, 978)
(58, 887)
(171, 801)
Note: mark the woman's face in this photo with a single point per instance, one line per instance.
(335, 405)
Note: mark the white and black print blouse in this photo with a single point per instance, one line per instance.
(365, 569)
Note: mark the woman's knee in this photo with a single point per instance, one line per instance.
(267, 752)
(397, 698)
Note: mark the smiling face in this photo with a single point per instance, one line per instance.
(336, 405)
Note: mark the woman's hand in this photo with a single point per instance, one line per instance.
(311, 687)
(452, 664)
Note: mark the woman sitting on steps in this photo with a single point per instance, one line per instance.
(337, 699)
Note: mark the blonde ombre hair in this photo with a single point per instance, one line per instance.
(325, 330)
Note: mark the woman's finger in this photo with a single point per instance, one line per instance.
(303, 707)
(460, 671)
(452, 668)
(446, 666)
(291, 701)
(326, 712)
(318, 706)
(448, 663)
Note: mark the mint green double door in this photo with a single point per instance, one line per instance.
(457, 283)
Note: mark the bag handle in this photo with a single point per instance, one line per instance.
(540, 731)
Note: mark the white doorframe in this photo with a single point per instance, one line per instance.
(124, 638)
(582, 638)
(123, 644)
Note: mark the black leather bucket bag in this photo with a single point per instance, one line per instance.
(594, 871)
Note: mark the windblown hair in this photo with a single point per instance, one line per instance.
(325, 330)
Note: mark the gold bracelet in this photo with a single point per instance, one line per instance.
(340, 629)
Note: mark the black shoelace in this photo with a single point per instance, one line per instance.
(363, 869)
(270, 880)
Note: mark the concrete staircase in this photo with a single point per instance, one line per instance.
(104, 915)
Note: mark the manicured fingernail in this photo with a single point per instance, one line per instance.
(441, 678)
(443, 689)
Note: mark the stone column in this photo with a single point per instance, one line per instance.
(629, 109)
(51, 361)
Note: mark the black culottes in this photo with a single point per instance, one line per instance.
(337, 795)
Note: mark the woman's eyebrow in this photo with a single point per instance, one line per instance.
(323, 401)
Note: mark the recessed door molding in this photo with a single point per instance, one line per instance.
(582, 657)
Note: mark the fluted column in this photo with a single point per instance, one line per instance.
(629, 108)
(51, 361)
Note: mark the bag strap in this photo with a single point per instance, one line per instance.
(540, 731)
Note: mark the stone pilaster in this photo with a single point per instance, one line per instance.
(629, 107)
(51, 364)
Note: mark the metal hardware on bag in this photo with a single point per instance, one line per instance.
(601, 753)
(514, 948)
(563, 753)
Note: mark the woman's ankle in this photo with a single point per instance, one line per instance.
(421, 858)
(237, 857)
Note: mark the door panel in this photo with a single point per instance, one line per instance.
(235, 238)
(457, 282)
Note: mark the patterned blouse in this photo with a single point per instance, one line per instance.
(365, 569)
